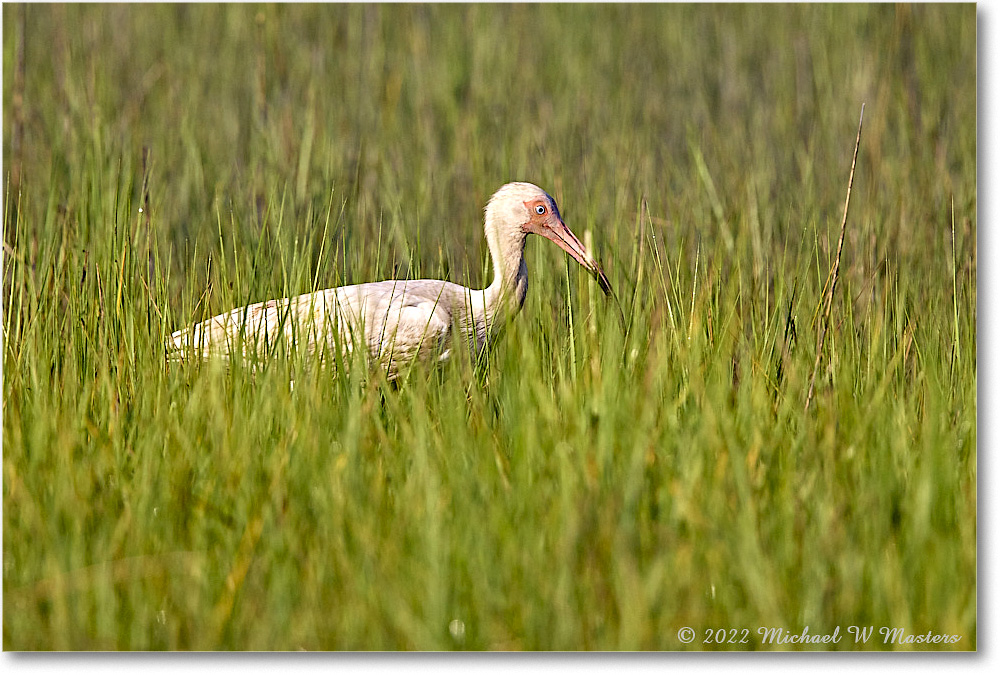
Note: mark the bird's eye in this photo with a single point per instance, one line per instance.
(540, 210)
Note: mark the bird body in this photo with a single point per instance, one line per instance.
(399, 322)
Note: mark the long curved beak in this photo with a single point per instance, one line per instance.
(567, 241)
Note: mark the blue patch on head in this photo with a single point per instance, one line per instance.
(552, 203)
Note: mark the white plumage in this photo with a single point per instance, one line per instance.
(400, 321)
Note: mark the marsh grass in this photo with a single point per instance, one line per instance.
(588, 487)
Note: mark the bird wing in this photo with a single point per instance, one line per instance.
(260, 327)
(402, 321)
(395, 321)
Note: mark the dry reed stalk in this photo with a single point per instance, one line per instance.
(831, 284)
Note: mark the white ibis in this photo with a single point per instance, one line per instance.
(401, 321)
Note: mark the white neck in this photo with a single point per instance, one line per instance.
(504, 297)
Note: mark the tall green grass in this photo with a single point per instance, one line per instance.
(590, 488)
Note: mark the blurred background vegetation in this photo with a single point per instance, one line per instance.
(620, 486)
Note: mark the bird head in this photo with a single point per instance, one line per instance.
(533, 211)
